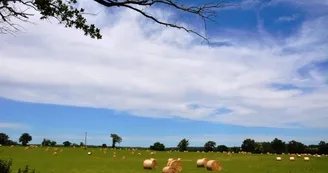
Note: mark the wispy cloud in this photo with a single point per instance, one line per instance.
(288, 18)
(153, 71)
(13, 126)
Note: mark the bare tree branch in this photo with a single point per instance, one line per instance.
(67, 14)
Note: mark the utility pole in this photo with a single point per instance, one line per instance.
(85, 141)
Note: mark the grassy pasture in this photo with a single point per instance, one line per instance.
(76, 160)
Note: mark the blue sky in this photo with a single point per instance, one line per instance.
(264, 77)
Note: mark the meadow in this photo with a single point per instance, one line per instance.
(76, 160)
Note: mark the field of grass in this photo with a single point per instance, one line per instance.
(76, 160)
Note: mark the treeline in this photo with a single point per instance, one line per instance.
(249, 145)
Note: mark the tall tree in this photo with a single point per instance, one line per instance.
(4, 138)
(295, 147)
(115, 139)
(278, 146)
(209, 146)
(67, 13)
(183, 144)
(25, 138)
(323, 147)
(248, 145)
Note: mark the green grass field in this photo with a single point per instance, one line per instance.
(76, 160)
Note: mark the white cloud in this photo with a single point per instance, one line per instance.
(13, 126)
(288, 18)
(154, 71)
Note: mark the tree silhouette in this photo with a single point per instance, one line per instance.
(25, 138)
(115, 139)
(67, 14)
(183, 144)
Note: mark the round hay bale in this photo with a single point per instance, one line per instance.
(291, 158)
(89, 153)
(278, 158)
(150, 164)
(176, 164)
(54, 153)
(213, 165)
(168, 169)
(306, 159)
(201, 162)
(170, 159)
(123, 157)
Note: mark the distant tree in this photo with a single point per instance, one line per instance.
(4, 138)
(295, 147)
(278, 146)
(248, 145)
(183, 144)
(25, 138)
(46, 142)
(234, 149)
(115, 139)
(10, 142)
(104, 145)
(67, 143)
(258, 147)
(81, 144)
(75, 144)
(222, 148)
(209, 146)
(312, 149)
(267, 147)
(323, 147)
(158, 146)
(53, 143)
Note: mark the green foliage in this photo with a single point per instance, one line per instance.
(183, 144)
(115, 139)
(323, 147)
(81, 144)
(25, 138)
(222, 148)
(278, 146)
(158, 146)
(234, 149)
(104, 145)
(248, 145)
(4, 138)
(53, 143)
(26, 170)
(46, 142)
(295, 147)
(5, 166)
(259, 147)
(209, 146)
(66, 14)
(67, 143)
